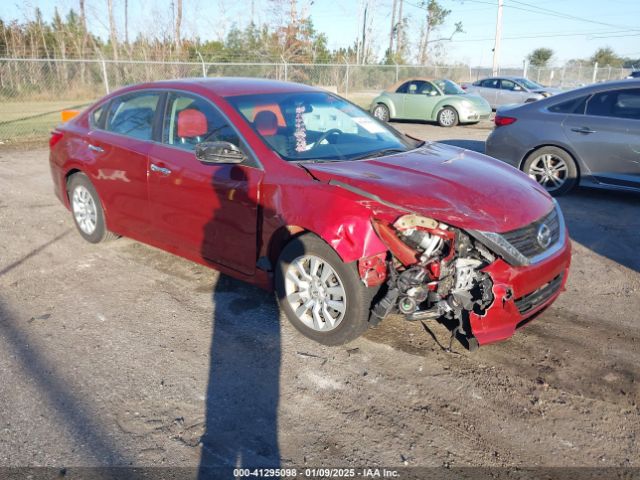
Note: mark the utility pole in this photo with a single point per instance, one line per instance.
(364, 33)
(400, 39)
(496, 46)
(393, 26)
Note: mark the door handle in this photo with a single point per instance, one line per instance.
(583, 130)
(95, 148)
(162, 170)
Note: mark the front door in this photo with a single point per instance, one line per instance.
(207, 210)
(420, 100)
(607, 137)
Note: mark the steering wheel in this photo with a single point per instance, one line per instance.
(325, 135)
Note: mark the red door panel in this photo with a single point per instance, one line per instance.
(203, 209)
(120, 177)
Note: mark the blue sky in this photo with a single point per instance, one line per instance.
(614, 23)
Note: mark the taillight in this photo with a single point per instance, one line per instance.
(464, 87)
(501, 121)
(55, 138)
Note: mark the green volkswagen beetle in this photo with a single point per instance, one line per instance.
(441, 101)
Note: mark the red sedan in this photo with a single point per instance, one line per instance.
(293, 188)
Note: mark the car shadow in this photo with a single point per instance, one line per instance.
(243, 390)
(606, 222)
(473, 145)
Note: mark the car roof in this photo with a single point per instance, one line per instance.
(399, 83)
(228, 86)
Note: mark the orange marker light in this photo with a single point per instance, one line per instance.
(67, 115)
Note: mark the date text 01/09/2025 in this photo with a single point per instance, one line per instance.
(316, 472)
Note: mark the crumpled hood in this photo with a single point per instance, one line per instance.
(459, 187)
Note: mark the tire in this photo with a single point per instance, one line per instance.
(86, 210)
(556, 179)
(448, 117)
(381, 112)
(356, 298)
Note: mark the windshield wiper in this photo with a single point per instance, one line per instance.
(379, 153)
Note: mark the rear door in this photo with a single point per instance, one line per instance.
(205, 210)
(607, 136)
(117, 150)
(488, 89)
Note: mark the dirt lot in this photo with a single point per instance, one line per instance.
(123, 354)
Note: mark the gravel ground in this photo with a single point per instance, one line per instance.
(121, 354)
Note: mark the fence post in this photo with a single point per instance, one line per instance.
(525, 66)
(204, 69)
(104, 75)
(397, 70)
(346, 88)
(286, 70)
(595, 72)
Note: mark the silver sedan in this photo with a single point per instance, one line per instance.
(508, 90)
(589, 136)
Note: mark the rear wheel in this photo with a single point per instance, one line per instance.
(447, 117)
(321, 295)
(87, 211)
(553, 168)
(381, 112)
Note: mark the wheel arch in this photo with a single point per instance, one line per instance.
(387, 103)
(67, 178)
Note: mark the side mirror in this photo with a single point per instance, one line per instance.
(219, 152)
(433, 93)
(517, 88)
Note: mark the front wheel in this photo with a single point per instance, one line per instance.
(321, 295)
(553, 168)
(447, 117)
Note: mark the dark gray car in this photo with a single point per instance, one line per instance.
(508, 90)
(589, 136)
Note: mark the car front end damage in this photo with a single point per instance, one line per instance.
(483, 284)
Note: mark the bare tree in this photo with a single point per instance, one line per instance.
(176, 34)
(113, 32)
(392, 31)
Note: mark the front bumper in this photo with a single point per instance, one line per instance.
(519, 293)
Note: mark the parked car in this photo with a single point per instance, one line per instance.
(507, 90)
(442, 101)
(290, 187)
(634, 74)
(589, 136)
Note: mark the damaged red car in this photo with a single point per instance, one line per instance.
(293, 188)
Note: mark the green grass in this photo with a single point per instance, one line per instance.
(28, 121)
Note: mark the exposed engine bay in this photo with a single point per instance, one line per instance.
(434, 271)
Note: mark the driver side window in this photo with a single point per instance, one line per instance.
(190, 120)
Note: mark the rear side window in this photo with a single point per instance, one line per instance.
(490, 83)
(575, 106)
(96, 116)
(616, 103)
(132, 115)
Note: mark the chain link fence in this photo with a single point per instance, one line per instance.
(34, 91)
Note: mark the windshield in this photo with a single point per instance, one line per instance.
(529, 84)
(317, 126)
(449, 87)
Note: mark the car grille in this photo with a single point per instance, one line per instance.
(539, 296)
(525, 239)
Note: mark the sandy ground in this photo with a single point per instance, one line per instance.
(121, 354)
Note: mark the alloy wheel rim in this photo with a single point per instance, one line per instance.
(379, 113)
(315, 293)
(447, 117)
(84, 209)
(550, 171)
